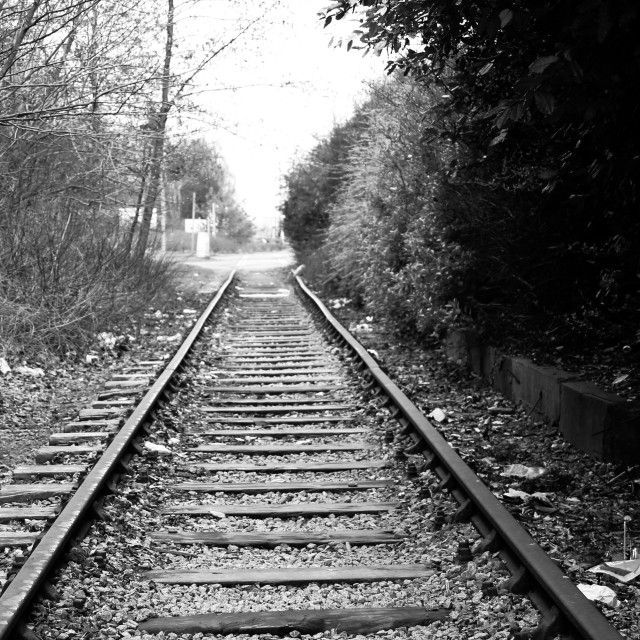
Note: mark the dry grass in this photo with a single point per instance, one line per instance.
(56, 293)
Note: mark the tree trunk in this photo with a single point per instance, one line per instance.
(131, 233)
(165, 211)
(158, 127)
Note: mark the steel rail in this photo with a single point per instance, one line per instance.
(21, 591)
(578, 616)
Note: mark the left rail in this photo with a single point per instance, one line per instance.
(16, 599)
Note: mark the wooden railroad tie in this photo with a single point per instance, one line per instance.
(277, 449)
(297, 575)
(282, 420)
(273, 539)
(287, 510)
(277, 389)
(242, 360)
(316, 467)
(278, 408)
(35, 491)
(49, 453)
(263, 371)
(277, 379)
(79, 436)
(263, 487)
(80, 425)
(322, 401)
(281, 433)
(7, 514)
(47, 470)
(18, 538)
(356, 621)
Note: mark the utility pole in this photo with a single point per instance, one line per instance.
(193, 222)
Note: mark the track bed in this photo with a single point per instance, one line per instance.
(276, 495)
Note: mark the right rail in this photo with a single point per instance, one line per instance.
(564, 608)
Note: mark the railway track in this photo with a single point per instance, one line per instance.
(283, 485)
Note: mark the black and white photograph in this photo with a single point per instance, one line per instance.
(319, 320)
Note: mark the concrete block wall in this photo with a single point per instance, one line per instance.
(595, 421)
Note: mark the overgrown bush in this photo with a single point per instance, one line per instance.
(66, 269)
(541, 194)
(382, 243)
(429, 234)
(64, 279)
(312, 186)
(86, 90)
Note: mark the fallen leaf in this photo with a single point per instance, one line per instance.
(34, 372)
(522, 471)
(4, 367)
(156, 448)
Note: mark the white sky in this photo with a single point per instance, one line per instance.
(294, 88)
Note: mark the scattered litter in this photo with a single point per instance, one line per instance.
(91, 358)
(522, 471)
(107, 340)
(622, 474)
(540, 500)
(497, 409)
(437, 414)
(516, 495)
(338, 303)
(173, 440)
(34, 372)
(156, 448)
(620, 379)
(4, 367)
(189, 311)
(361, 327)
(600, 593)
(622, 570)
(374, 353)
(217, 514)
(174, 338)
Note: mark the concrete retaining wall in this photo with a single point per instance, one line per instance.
(600, 423)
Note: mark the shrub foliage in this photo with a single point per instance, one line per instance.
(501, 176)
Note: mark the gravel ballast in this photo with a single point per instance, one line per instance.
(103, 591)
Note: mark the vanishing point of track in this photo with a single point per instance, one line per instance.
(279, 467)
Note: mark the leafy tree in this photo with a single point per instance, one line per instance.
(86, 90)
(539, 99)
(311, 186)
(195, 166)
(172, 88)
